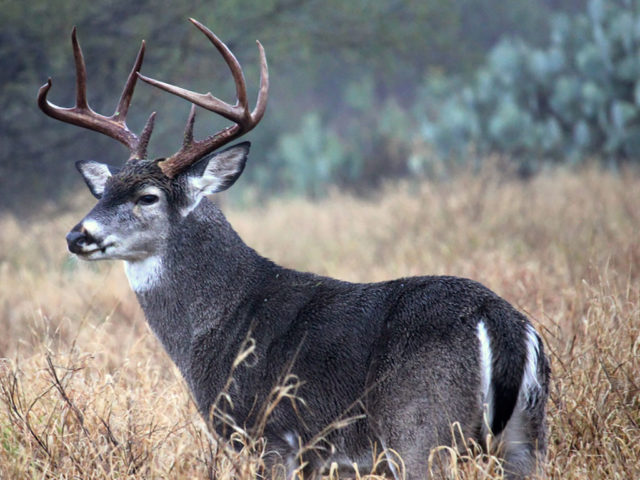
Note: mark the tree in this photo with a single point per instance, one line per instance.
(316, 50)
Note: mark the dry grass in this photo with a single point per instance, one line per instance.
(87, 392)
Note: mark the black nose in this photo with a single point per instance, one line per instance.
(77, 239)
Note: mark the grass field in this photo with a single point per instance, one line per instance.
(87, 392)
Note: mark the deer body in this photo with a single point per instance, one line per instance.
(390, 365)
(340, 339)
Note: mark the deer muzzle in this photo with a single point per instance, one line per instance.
(79, 241)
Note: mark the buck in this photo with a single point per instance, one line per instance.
(401, 366)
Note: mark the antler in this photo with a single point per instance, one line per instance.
(244, 119)
(83, 116)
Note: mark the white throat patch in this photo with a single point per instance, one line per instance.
(144, 274)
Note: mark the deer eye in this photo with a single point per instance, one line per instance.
(147, 200)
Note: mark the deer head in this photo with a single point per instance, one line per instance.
(138, 201)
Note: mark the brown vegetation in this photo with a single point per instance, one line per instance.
(87, 392)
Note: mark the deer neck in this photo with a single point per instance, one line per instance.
(196, 283)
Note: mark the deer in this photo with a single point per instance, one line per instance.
(402, 366)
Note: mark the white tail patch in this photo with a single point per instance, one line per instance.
(521, 452)
(530, 384)
(485, 374)
(292, 440)
(391, 462)
(143, 274)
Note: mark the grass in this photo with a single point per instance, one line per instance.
(87, 392)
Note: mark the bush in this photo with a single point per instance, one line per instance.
(579, 97)
(355, 150)
(311, 158)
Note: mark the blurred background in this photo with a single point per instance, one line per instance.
(362, 91)
(492, 139)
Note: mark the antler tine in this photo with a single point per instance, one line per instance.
(145, 136)
(188, 129)
(235, 113)
(232, 62)
(83, 116)
(81, 72)
(205, 100)
(239, 113)
(122, 109)
(263, 92)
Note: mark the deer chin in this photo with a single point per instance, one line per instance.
(95, 252)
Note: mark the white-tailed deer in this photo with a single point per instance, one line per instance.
(403, 359)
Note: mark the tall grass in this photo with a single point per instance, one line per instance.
(87, 392)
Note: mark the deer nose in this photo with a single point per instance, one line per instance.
(77, 239)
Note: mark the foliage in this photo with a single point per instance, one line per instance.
(309, 157)
(576, 98)
(316, 51)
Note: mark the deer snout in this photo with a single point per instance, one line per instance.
(78, 239)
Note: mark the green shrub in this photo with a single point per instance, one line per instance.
(310, 157)
(579, 97)
(357, 149)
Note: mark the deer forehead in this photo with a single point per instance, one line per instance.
(135, 179)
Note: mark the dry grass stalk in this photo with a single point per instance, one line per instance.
(87, 392)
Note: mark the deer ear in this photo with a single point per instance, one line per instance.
(217, 172)
(95, 175)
